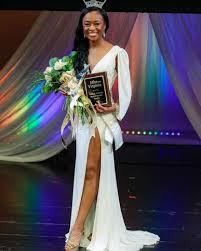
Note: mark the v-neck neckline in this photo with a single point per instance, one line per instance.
(91, 70)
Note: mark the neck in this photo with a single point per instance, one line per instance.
(93, 44)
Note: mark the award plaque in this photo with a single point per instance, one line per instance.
(96, 88)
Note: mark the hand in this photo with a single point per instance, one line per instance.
(105, 109)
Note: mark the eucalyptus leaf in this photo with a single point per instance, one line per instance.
(52, 61)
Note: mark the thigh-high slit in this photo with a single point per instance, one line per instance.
(92, 176)
(104, 220)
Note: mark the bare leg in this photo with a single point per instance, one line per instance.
(91, 182)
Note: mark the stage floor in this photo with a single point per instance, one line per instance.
(35, 203)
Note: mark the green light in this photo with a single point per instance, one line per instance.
(150, 133)
(144, 132)
(155, 133)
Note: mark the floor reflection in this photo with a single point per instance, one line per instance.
(35, 204)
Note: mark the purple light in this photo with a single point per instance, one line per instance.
(162, 133)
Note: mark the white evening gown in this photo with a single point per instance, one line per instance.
(105, 220)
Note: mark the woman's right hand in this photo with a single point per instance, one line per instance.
(105, 109)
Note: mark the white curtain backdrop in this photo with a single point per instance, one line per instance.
(179, 39)
(30, 121)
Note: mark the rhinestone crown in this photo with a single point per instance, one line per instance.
(94, 3)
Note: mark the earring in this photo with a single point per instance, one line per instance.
(103, 33)
(84, 35)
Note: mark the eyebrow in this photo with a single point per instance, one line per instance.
(97, 20)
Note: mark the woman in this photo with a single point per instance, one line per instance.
(96, 218)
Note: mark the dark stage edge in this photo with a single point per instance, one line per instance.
(193, 6)
(159, 190)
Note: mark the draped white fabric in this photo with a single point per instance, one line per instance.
(179, 38)
(105, 220)
(30, 121)
(21, 140)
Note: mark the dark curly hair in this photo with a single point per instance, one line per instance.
(81, 44)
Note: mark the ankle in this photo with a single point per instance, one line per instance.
(78, 227)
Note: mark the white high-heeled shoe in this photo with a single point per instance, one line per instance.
(73, 241)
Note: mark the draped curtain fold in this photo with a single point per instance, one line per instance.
(30, 121)
(179, 39)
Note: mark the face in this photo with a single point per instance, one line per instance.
(93, 25)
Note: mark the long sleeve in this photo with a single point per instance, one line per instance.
(124, 83)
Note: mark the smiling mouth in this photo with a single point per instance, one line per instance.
(92, 34)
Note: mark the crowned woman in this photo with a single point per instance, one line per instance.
(96, 218)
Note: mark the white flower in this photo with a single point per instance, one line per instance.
(48, 78)
(72, 84)
(59, 65)
(48, 70)
(65, 77)
(71, 72)
(68, 76)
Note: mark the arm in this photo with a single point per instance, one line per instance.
(124, 84)
(124, 87)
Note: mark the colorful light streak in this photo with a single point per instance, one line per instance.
(152, 133)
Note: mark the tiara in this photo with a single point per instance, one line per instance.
(94, 3)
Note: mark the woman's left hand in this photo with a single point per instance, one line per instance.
(105, 109)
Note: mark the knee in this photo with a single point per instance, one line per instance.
(91, 171)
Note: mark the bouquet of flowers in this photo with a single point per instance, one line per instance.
(60, 76)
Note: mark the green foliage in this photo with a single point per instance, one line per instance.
(51, 78)
(52, 61)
